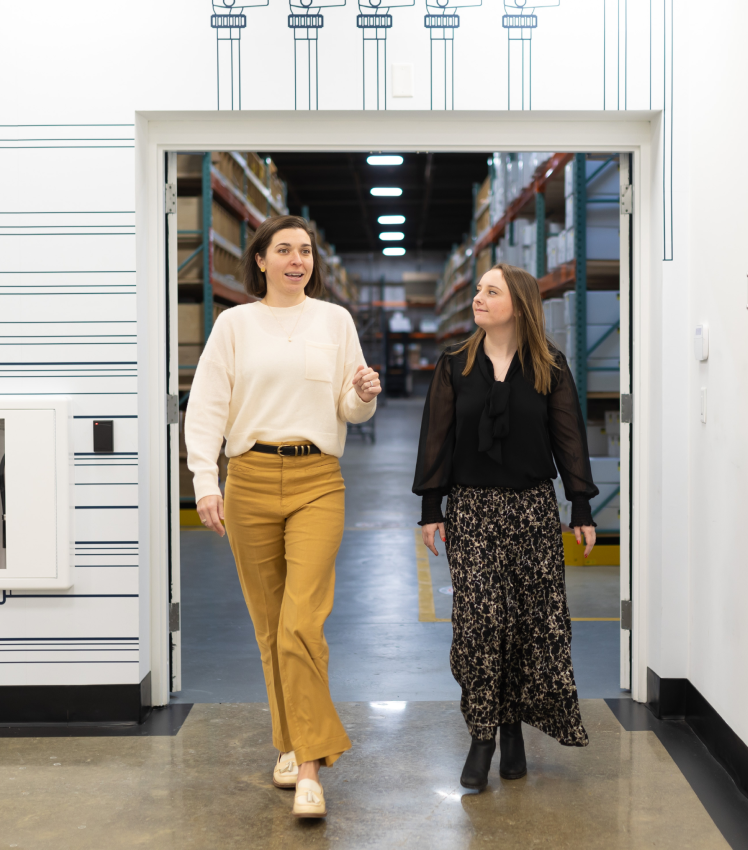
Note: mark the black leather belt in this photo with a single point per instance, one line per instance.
(286, 451)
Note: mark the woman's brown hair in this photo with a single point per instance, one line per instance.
(254, 279)
(530, 324)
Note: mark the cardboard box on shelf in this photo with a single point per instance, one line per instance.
(190, 213)
(191, 324)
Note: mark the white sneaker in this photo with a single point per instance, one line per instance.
(286, 771)
(310, 800)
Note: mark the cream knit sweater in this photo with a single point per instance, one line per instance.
(253, 384)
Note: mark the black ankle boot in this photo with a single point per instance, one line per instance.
(475, 772)
(513, 764)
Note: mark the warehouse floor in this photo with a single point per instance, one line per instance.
(380, 645)
(197, 773)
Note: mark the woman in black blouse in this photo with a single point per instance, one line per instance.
(501, 408)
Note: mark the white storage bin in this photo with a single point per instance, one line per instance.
(569, 179)
(603, 308)
(614, 445)
(603, 243)
(612, 422)
(554, 308)
(605, 470)
(569, 212)
(597, 443)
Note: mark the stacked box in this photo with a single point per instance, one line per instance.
(603, 308)
(498, 190)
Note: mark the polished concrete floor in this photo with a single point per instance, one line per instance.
(204, 782)
(209, 787)
(379, 649)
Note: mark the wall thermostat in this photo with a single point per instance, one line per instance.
(701, 342)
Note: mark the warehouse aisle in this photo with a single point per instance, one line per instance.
(384, 643)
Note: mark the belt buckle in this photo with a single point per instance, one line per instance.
(280, 453)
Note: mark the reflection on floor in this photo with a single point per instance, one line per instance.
(205, 783)
(379, 648)
(209, 787)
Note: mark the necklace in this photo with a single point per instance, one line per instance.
(279, 321)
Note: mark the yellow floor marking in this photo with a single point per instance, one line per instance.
(426, 611)
(596, 619)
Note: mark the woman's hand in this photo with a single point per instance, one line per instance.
(210, 511)
(589, 537)
(427, 533)
(366, 382)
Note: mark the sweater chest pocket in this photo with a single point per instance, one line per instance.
(320, 361)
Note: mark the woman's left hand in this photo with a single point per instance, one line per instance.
(366, 383)
(589, 537)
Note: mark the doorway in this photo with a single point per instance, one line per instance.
(177, 143)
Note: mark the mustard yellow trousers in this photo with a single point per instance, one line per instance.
(284, 517)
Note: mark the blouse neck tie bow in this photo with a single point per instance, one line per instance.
(494, 420)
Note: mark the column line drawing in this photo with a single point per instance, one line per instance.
(228, 20)
(519, 21)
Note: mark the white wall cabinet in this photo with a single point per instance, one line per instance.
(35, 440)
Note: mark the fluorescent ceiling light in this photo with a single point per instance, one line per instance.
(391, 219)
(386, 192)
(393, 252)
(384, 160)
(392, 236)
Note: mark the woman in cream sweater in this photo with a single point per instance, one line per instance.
(279, 379)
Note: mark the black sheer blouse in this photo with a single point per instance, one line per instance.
(479, 432)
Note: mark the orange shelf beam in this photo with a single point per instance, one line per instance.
(547, 170)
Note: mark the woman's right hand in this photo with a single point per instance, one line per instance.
(427, 533)
(210, 511)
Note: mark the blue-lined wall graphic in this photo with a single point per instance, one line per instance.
(374, 20)
(229, 21)
(520, 21)
(68, 327)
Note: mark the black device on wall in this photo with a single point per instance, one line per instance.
(103, 435)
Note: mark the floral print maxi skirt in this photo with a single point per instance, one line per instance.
(511, 645)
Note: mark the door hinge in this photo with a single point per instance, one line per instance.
(627, 200)
(627, 408)
(173, 617)
(172, 409)
(626, 614)
(170, 198)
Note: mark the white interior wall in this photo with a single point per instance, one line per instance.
(713, 248)
(94, 71)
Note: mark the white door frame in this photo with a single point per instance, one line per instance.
(159, 132)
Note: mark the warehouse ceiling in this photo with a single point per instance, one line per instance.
(437, 198)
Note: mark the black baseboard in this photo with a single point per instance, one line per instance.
(75, 703)
(678, 698)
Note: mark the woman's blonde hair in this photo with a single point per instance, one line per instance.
(529, 318)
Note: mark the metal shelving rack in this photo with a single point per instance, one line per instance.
(580, 274)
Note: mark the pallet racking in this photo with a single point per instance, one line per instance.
(532, 211)
(222, 198)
